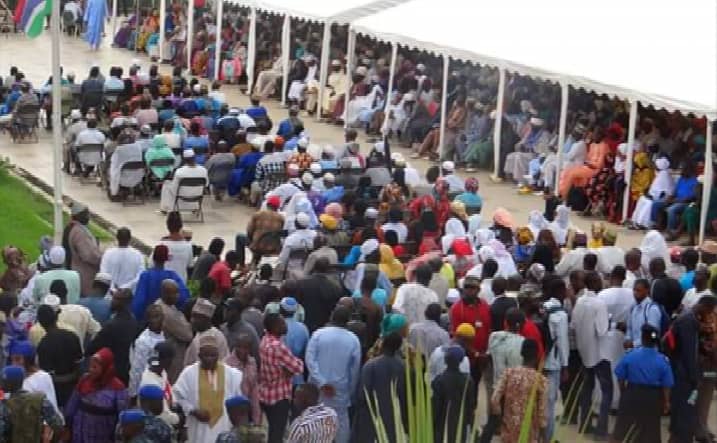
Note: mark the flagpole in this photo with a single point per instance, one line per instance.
(56, 119)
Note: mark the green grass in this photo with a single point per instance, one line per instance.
(25, 216)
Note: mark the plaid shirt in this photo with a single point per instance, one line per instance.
(270, 172)
(302, 159)
(274, 382)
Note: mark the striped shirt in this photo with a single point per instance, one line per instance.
(317, 424)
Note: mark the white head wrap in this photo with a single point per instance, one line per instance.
(653, 246)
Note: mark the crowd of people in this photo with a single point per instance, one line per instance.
(355, 265)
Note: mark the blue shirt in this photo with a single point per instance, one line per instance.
(256, 112)
(200, 145)
(286, 129)
(296, 339)
(98, 306)
(470, 199)
(646, 310)
(685, 188)
(687, 280)
(645, 366)
(149, 287)
(333, 357)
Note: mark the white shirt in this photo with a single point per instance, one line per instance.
(590, 323)
(180, 256)
(40, 381)
(400, 229)
(619, 301)
(558, 356)
(692, 297)
(74, 8)
(412, 300)
(608, 258)
(299, 239)
(455, 183)
(90, 136)
(124, 265)
(437, 364)
(571, 261)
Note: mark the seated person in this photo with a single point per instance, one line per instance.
(169, 190)
(219, 169)
(89, 136)
(335, 91)
(685, 193)
(286, 127)
(158, 151)
(580, 175)
(661, 188)
(127, 150)
(304, 78)
(266, 80)
(196, 142)
(331, 192)
(455, 183)
(470, 197)
(25, 99)
(259, 114)
(536, 141)
(395, 223)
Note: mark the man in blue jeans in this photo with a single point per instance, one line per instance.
(685, 193)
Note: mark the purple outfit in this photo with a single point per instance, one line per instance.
(93, 417)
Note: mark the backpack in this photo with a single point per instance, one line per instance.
(543, 324)
(26, 416)
(664, 317)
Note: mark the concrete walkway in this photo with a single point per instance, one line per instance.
(223, 219)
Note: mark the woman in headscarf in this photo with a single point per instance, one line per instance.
(654, 246)
(425, 231)
(506, 264)
(547, 251)
(442, 201)
(600, 187)
(394, 194)
(337, 211)
(561, 225)
(150, 25)
(536, 222)
(455, 229)
(389, 264)
(99, 397)
(661, 188)
(642, 176)
(470, 198)
(458, 210)
(503, 225)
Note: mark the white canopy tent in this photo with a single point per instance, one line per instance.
(656, 53)
(328, 12)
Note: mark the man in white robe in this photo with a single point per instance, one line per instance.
(310, 82)
(169, 190)
(266, 80)
(123, 263)
(337, 83)
(201, 390)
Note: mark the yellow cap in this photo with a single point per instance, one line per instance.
(465, 330)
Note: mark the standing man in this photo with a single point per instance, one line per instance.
(201, 390)
(645, 311)
(124, 263)
(81, 247)
(685, 366)
(412, 299)
(94, 22)
(201, 319)
(59, 353)
(426, 335)
(555, 367)
(57, 271)
(333, 357)
(175, 327)
(118, 333)
(590, 322)
(315, 423)
(278, 366)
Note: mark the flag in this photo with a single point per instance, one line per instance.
(30, 16)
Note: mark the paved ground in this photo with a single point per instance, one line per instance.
(223, 219)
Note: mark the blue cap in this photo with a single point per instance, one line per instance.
(13, 373)
(289, 304)
(22, 347)
(151, 392)
(237, 400)
(454, 354)
(130, 416)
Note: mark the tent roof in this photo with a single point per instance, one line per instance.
(660, 52)
(339, 11)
